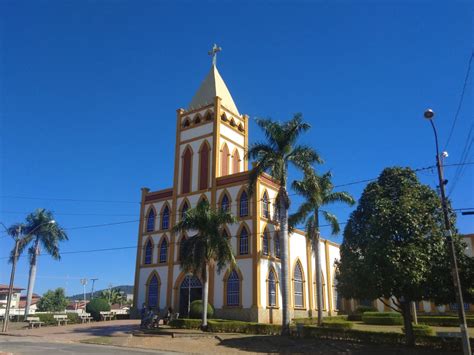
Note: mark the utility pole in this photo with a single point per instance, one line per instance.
(12, 278)
(84, 283)
(92, 292)
(110, 293)
(429, 114)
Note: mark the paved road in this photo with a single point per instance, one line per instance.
(29, 346)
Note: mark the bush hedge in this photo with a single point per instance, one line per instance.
(48, 318)
(196, 310)
(363, 309)
(97, 305)
(228, 326)
(382, 318)
(444, 321)
(421, 330)
(337, 324)
(314, 320)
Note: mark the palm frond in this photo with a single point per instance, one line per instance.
(332, 220)
(340, 196)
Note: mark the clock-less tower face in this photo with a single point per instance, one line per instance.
(212, 137)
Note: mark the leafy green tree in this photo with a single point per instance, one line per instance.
(97, 305)
(209, 246)
(274, 157)
(53, 301)
(394, 247)
(317, 192)
(41, 232)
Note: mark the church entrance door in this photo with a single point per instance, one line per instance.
(189, 291)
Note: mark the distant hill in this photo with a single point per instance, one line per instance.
(127, 289)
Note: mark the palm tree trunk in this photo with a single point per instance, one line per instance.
(32, 277)
(317, 256)
(285, 281)
(205, 297)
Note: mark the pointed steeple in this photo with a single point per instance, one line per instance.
(212, 86)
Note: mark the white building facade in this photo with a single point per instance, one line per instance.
(210, 163)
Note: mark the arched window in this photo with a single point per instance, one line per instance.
(184, 209)
(181, 248)
(272, 291)
(197, 120)
(204, 166)
(233, 289)
(225, 203)
(225, 160)
(244, 205)
(164, 250)
(244, 241)
(186, 123)
(150, 221)
(208, 116)
(265, 206)
(165, 218)
(265, 242)
(153, 292)
(186, 171)
(148, 252)
(298, 286)
(276, 241)
(236, 162)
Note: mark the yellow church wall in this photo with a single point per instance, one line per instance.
(198, 131)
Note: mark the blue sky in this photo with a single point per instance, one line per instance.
(89, 91)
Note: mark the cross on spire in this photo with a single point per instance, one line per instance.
(213, 53)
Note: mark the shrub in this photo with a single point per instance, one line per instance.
(228, 326)
(314, 320)
(421, 330)
(196, 310)
(382, 318)
(183, 323)
(337, 324)
(355, 317)
(97, 305)
(444, 321)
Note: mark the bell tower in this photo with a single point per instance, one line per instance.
(212, 137)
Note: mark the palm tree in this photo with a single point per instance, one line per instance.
(207, 247)
(317, 192)
(113, 296)
(274, 157)
(43, 233)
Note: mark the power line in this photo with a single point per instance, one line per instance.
(464, 156)
(460, 101)
(74, 214)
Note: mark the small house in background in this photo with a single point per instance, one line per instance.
(15, 299)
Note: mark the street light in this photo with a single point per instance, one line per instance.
(429, 115)
(12, 275)
(84, 283)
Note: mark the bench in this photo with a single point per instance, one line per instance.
(86, 317)
(106, 316)
(34, 322)
(61, 318)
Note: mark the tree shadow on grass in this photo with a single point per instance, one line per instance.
(287, 345)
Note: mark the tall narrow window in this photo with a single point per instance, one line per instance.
(244, 242)
(165, 218)
(272, 289)
(186, 171)
(265, 243)
(184, 209)
(265, 205)
(150, 221)
(225, 160)
(153, 291)
(276, 240)
(298, 286)
(236, 162)
(233, 289)
(163, 251)
(181, 248)
(244, 205)
(148, 252)
(204, 166)
(225, 203)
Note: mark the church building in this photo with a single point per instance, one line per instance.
(210, 163)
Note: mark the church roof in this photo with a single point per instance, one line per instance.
(212, 86)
